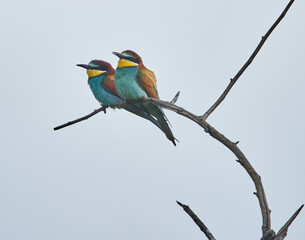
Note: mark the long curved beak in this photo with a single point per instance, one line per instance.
(118, 54)
(86, 66)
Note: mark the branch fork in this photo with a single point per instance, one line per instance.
(267, 232)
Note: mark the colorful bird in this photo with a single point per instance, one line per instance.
(101, 82)
(134, 81)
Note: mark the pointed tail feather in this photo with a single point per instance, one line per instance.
(135, 109)
(166, 119)
(158, 113)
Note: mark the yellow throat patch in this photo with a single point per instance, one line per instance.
(125, 63)
(94, 73)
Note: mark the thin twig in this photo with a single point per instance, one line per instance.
(81, 119)
(282, 233)
(245, 66)
(174, 100)
(199, 223)
(103, 108)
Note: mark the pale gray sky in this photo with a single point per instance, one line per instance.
(116, 176)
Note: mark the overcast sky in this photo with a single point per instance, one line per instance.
(116, 176)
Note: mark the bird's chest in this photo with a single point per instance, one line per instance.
(101, 95)
(126, 84)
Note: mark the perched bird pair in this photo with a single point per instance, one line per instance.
(130, 81)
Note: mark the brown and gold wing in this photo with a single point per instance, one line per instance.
(109, 84)
(148, 82)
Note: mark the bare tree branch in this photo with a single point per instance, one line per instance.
(215, 134)
(199, 223)
(81, 119)
(103, 108)
(245, 66)
(260, 192)
(268, 233)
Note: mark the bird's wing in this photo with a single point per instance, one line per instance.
(148, 82)
(109, 85)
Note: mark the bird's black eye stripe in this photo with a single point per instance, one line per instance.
(132, 59)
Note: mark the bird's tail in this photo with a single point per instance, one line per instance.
(142, 113)
(158, 113)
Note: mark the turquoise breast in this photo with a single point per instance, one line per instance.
(126, 84)
(103, 96)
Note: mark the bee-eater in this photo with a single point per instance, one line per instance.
(101, 82)
(134, 81)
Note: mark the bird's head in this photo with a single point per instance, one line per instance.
(128, 58)
(97, 67)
